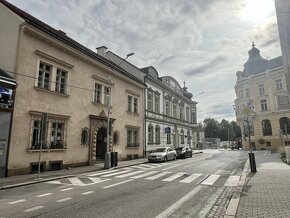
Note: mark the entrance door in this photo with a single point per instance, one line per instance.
(101, 145)
(4, 135)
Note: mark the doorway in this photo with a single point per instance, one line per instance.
(101, 143)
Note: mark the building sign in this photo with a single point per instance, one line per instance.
(6, 99)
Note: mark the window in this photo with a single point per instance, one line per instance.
(61, 80)
(150, 134)
(116, 137)
(188, 137)
(130, 103)
(44, 75)
(107, 95)
(168, 138)
(264, 106)
(187, 113)
(135, 110)
(268, 143)
(132, 138)
(193, 116)
(174, 110)
(279, 84)
(149, 101)
(167, 108)
(283, 100)
(261, 89)
(247, 92)
(285, 125)
(267, 129)
(54, 135)
(157, 134)
(181, 111)
(157, 104)
(98, 93)
(182, 136)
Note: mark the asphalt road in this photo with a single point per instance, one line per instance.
(200, 186)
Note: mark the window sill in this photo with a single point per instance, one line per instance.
(29, 150)
(130, 112)
(132, 147)
(51, 92)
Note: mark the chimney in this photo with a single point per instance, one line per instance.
(102, 51)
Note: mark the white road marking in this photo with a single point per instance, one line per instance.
(232, 181)
(210, 180)
(191, 178)
(102, 173)
(67, 189)
(173, 177)
(87, 193)
(64, 199)
(141, 167)
(129, 174)
(76, 181)
(16, 202)
(144, 175)
(158, 175)
(119, 183)
(179, 203)
(33, 209)
(117, 173)
(176, 165)
(44, 195)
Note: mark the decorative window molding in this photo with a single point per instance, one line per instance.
(133, 93)
(51, 58)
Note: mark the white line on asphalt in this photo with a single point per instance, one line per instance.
(129, 174)
(63, 186)
(33, 209)
(44, 195)
(119, 183)
(176, 165)
(173, 177)
(191, 178)
(67, 189)
(87, 193)
(117, 173)
(158, 175)
(207, 175)
(148, 165)
(179, 203)
(143, 175)
(16, 202)
(64, 199)
(232, 181)
(101, 173)
(141, 167)
(76, 181)
(210, 180)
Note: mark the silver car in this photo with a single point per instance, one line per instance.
(162, 154)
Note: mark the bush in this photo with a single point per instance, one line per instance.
(283, 156)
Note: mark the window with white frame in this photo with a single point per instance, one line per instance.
(157, 134)
(157, 103)
(168, 138)
(181, 112)
(174, 110)
(167, 108)
(182, 136)
(44, 75)
(279, 85)
(130, 99)
(150, 101)
(98, 93)
(132, 104)
(264, 105)
(61, 81)
(261, 89)
(193, 116)
(132, 137)
(54, 135)
(150, 133)
(135, 106)
(187, 114)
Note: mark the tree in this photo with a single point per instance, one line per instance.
(211, 128)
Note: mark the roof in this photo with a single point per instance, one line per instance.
(60, 35)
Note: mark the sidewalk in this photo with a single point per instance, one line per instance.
(267, 192)
(15, 181)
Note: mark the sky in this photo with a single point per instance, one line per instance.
(201, 42)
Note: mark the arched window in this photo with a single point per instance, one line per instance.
(267, 129)
(150, 133)
(285, 125)
(182, 136)
(157, 134)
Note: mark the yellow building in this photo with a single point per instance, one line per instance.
(71, 84)
(262, 103)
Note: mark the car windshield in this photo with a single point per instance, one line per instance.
(179, 149)
(160, 150)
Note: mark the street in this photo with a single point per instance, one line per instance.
(200, 186)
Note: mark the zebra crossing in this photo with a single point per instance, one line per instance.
(149, 172)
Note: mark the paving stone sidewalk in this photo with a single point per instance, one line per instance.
(267, 192)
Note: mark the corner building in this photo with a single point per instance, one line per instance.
(262, 99)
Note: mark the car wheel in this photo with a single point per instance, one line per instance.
(165, 159)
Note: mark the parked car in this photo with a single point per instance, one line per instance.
(162, 154)
(183, 152)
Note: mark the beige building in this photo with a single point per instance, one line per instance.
(262, 102)
(71, 84)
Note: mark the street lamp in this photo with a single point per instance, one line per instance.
(107, 155)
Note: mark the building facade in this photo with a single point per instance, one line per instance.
(170, 113)
(68, 88)
(262, 103)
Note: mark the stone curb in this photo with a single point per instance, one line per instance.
(235, 200)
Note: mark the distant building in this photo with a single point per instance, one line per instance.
(262, 102)
(170, 113)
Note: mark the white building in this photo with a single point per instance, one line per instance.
(170, 113)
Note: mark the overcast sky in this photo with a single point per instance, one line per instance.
(202, 42)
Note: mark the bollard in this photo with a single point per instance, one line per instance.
(252, 162)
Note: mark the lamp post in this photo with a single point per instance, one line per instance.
(107, 155)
